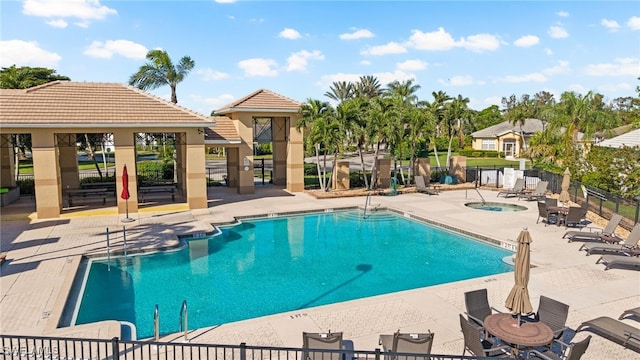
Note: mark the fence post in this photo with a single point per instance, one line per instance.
(617, 203)
(637, 208)
(243, 351)
(115, 348)
(263, 172)
(377, 356)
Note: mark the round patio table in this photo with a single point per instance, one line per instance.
(529, 334)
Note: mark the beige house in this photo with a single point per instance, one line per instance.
(52, 114)
(506, 137)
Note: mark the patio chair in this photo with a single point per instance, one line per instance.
(421, 186)
(619, 261)
(477, 305)
(585, 209)
(412, 343)
(553, 313)
(573, 351)
(516, 190)
(538, 193)
(573, 218)
(477, 346)
(326, 346)
(633, 312)
(629, 244)
(543, 213)
(579, 235)
(614, 330)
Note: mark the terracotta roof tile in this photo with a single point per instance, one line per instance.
(261, 100)
(224, 132)
(84, 103)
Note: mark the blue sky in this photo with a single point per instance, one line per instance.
(483, 50)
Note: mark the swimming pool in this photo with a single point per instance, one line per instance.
(268, 266)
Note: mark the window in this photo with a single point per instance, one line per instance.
(488, 144)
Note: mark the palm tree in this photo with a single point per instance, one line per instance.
(456, 113)
(405, 90)
(340, 91)
(160, 71)
(437, 108)
(368, 87)
(518, 111)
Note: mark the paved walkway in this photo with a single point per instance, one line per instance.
(44, 255)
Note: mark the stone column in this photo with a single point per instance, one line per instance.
(295, 157)
(46, 174)
(69, 173)
(384, 173)
(245, 154)
(7, 162)
(196, 178)
(423, 168)
(279, 136)
(233, 167)
(341, 176)
(458, 168)
(181, 160)
(125, 153)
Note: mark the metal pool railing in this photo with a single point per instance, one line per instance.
(56, 348)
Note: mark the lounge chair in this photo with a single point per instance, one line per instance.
(538, 193)
(608, 231)
(328, 346)
(619, 261)
(479, 347)
(421, 186)
(614, 330)
(409, 343)
(477, 305)
(633, 312)
(554, 314)
(543, 213)
(573, 351)
(573, 217)
(516, 190)
(629, 244)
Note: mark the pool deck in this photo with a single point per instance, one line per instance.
(44, 255)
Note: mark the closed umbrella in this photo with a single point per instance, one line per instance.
(566, 181)
(518, 300)
(125, 192)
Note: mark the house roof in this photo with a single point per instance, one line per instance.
(262, 100)
(632, 138)
(84, 104)
(530, 126)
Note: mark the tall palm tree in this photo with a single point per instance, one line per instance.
(160, 71)
(437, 108)
(517, 111)
(405, 90)
(340, 91)
(456, 113)
(368, 87)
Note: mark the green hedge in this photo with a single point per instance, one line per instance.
(481, 153)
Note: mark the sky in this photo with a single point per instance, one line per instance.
(482, 50)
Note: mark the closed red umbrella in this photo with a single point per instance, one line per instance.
(125, 183)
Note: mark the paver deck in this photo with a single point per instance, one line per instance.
(43, 257)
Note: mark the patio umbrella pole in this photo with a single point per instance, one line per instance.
(125, 193)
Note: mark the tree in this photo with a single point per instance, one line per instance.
(437, 108)
(340, 91)
(368, 87)
(405, 91)
(25, 77)
(518, 111)
(160, 71)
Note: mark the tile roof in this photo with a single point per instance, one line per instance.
(224, 132)
(85, 104)
(530, 126)
(261, 100)
(632, 138)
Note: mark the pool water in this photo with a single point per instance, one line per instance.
(496, 206)
(268, 266)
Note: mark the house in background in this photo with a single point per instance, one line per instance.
(631, 139)
(505, 137)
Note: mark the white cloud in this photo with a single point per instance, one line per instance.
(82, 24)
(614, 87)
(493, 100)
(390, 48)
(612, 25)
(290, 34)
(620, 67)
(397, 75)
(461, 80)
(412, 65)
(557, 32)
(548, 51)
(579, 89)
(562, 14)
(435, 41)
(298, 61)
(358, 34)
(634, 23)
(326, 81)
(58, 23)
(219, 100)
(365, 62)
(561, 68)
(225, 1)
(107, 49)
(259, 67)
(257, 20)
(527, 41)
(480, 42)
(534, 77)
(208, 74)
(81, 9)
(26, 53)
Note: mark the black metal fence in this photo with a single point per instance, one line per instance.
(57, 348)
